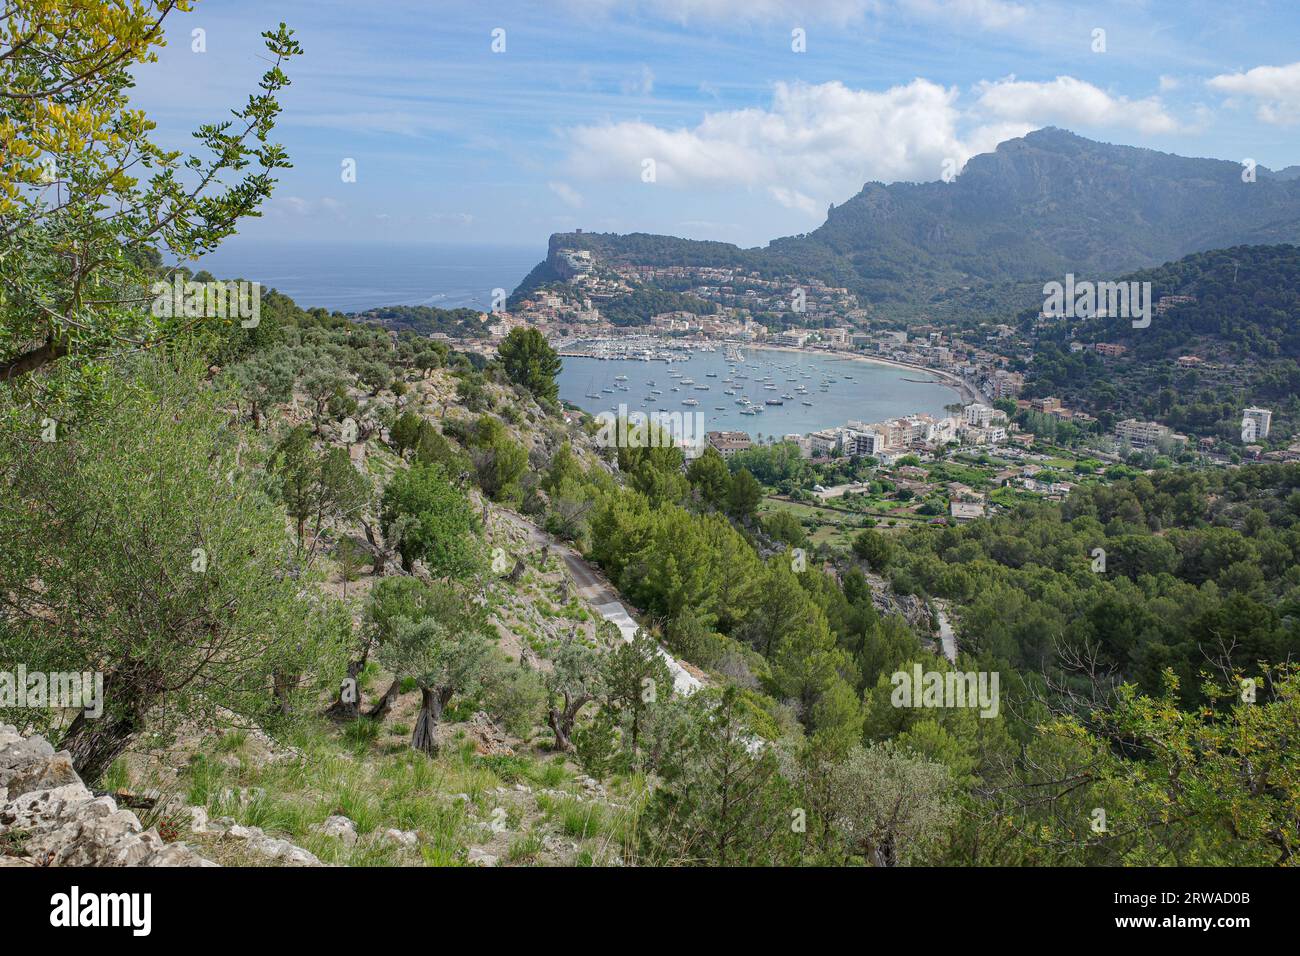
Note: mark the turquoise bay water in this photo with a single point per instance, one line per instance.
(861, 391)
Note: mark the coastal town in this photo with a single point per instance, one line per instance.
(1001, 440)
(989, 365)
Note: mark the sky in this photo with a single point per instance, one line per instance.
(733, 120)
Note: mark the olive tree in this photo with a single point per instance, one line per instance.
(576, 679)
(151, 553)
(445, 653)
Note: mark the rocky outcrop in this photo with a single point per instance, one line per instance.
(488, 738)
(908, 606)
(48, 817)
(254, 839)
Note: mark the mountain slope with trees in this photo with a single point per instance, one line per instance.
(1244, 326)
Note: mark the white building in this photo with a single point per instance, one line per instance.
(863, 442)
(803, 441)
(978, 415)
(824, 442)
(1260, 418)
(1140, 434)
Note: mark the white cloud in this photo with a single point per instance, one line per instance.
(989, 14)
(1071, 102)
(793, 199)
(817, 143)
(382, 121)
(568, 195)
(826, 138)
(300, 206)
(1275, 88)
(749, 11)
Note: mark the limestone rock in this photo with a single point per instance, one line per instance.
(339, 826)
(402, 837)
(54, 820)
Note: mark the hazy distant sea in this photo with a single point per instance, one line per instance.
(355, 276)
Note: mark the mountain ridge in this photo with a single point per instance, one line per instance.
(1040, 205)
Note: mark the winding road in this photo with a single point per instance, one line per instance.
(947, 636)
(604, 599)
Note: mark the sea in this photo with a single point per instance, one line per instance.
(356, 276)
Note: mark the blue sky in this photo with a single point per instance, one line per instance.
(454, 143)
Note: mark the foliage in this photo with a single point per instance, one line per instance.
(430, 520)
(153, 555)
(80, 230)
(531, 362)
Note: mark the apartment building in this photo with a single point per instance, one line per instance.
(728, 443)
(1045, 405)
(863, 442)
(1140, 434)
(1260, 418)
(824, 442)
(1004, 384)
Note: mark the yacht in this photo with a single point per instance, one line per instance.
(689, 401)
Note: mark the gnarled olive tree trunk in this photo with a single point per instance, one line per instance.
(385, 704)
(562, 719)
(342, 708)
(95, 742)
(433, 700)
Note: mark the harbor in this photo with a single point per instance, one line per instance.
(765, 392)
